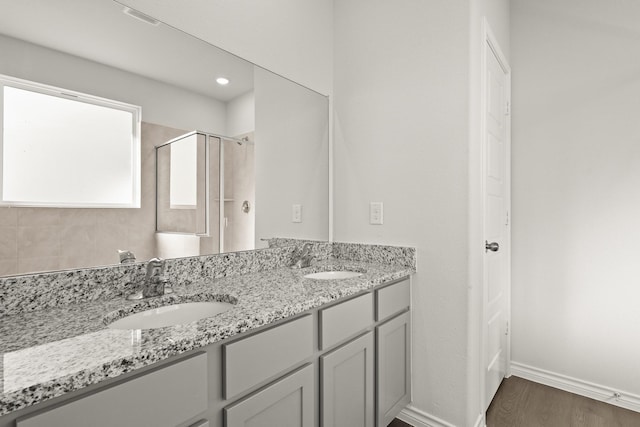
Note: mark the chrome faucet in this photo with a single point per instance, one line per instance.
(301, 258)
(155, 282)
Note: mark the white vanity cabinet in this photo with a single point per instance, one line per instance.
(345, 364)
(393, 351)
(393, 368)
(288, 401)
(367, 380)
(347, 376)
(347, 372)
(165, 397)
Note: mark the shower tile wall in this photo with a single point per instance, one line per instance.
(42, 239)
(239, 186)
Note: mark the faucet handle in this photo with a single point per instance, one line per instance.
(155, 268)
(126, 257)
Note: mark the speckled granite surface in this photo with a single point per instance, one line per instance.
(25, 293)
(397, 255)
(49, 349)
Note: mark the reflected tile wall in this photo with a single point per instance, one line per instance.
(8, 243)
(240, 174)
(44, 239)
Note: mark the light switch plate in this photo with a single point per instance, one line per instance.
(296, 213)
(375, 213)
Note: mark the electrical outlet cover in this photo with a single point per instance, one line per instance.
(375, 213)
(296, 213)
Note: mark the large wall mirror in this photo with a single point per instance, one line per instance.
(258, 141)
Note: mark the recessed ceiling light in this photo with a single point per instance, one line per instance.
(222, 81)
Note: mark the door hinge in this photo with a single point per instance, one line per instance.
(507, 110)
(507, 220)
(506, 332)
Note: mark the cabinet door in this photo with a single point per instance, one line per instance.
(393, 368)
(348, 384)
(286, 403)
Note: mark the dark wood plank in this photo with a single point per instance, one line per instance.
(522, 403)
(508, 404)
(397, 423)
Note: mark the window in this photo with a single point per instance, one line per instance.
(66, 149)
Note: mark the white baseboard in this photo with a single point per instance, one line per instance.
(480, 422)
(576, 386)
(418, 418)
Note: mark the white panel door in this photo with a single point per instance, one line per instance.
(495, 225)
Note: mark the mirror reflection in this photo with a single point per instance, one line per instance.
(231, 158)
(205, 191)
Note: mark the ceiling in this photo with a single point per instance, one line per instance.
(99, 31)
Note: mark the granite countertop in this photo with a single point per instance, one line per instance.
(50, 352)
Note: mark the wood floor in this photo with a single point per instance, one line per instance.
(397, 423)
(522, 403)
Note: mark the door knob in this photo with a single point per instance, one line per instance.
(493, 246)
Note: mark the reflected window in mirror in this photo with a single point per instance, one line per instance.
(67, 149)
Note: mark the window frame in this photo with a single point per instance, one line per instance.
(136, 142)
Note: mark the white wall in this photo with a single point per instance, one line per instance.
(161, 103)
(292, 165)
(241, 116)
(401, 137)
(289, 37)
(576, 204)
(406, 98)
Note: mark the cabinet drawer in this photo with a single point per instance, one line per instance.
(345, 320)
(392, 299)
(166, 397)
(252, 360)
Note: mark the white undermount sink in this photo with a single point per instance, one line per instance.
(333, 275)
(169, 315)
